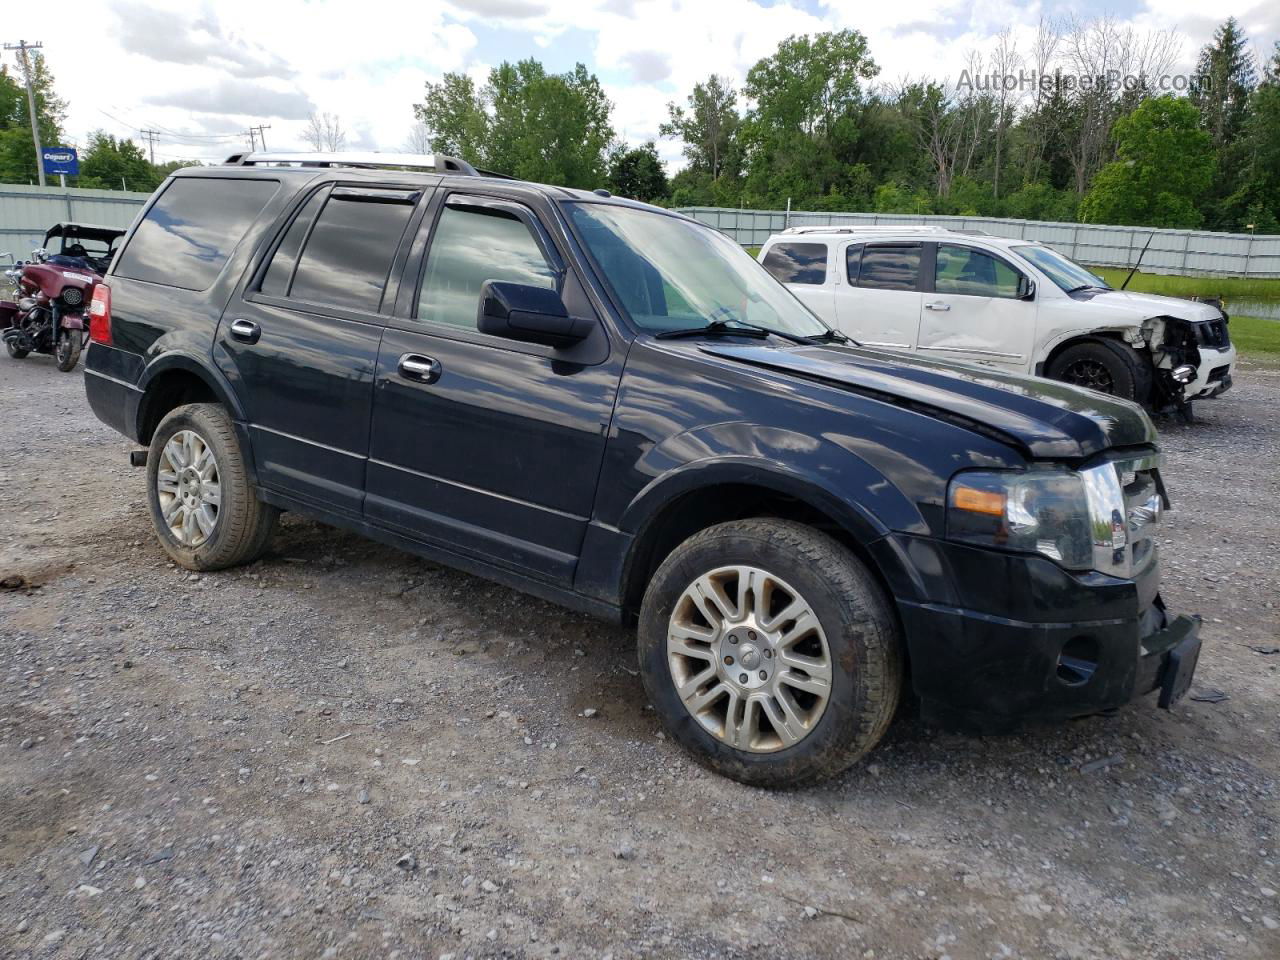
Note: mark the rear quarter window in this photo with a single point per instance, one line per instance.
(797, 262)
(191, 231)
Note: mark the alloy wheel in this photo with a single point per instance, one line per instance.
(1091, 374)
(749, 659)
(187, 484)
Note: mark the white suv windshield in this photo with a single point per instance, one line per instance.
(671, 274)
(1067, 274)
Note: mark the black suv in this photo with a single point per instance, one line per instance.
(614, 407)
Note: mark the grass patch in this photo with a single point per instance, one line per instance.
(1175, 286)
(1254, 335)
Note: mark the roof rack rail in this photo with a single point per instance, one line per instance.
(885, 228)
(369, 161)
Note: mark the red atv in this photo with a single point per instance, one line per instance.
(53, 291)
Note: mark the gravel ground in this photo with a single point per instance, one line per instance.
(344, 751)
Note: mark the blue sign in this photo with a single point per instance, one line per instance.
(62, 160)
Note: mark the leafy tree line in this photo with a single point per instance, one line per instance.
(812, 125)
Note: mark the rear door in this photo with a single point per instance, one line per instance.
(300, 343)
(880, 305)
(974, 311)
(482, 445)
(803, 266)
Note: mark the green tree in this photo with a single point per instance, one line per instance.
(1165, 164)
(638, 173)
(17, 152)
(708, 127)
(551, 128)
(805, 126)
(453, 115)
(1226, 75)
(111, 164)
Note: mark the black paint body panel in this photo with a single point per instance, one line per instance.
(547, 469)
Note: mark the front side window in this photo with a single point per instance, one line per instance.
(798, 262)
(348, 254)
(890, 266)
(971, 272)
(669, 273)
(192, 229)
(472, 245)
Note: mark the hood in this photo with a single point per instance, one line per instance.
(1144, 305)
(1044, 418)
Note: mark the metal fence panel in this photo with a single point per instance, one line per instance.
(1171, 251)
(26, 212)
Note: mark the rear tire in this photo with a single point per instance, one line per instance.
(67, 351)
(812, 648)
(1107, 366)
(203, 508)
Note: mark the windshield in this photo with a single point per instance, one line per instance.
(671, 274)
(1067, 274)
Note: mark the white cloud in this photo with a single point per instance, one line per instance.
(204, 72)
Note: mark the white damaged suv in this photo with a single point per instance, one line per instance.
(1012, 304)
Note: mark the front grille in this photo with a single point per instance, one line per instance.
(1213, 334)
(1143, 507)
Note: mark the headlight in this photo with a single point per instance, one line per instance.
(1075, 518)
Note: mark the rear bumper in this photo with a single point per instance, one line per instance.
(112, 399)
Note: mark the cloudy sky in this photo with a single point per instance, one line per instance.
(203, 73)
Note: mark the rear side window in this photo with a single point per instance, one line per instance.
(853, 262)
(190, 232)
(888, 266)
(797, 262)
(280, 272)
(472, 245)
(348, 255)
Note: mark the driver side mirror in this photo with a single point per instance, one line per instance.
(530, 314)
(1026, 288)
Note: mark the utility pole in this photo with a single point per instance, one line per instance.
(253, 141)
(151, 137)
(22, 47)
(262, 137)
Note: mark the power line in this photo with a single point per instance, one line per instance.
(22, 47)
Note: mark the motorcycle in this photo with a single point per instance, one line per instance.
(48, 314)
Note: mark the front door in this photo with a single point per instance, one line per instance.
(480, 444)
(975, 312)
(300, 345)
(879, 304)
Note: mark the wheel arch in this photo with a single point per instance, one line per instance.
(174, 379)
(1075, 339)
(703, 494)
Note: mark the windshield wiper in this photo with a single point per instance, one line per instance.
(731, 328)
(831, 336)
(1087, 286)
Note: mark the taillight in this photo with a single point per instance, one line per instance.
(100, 315)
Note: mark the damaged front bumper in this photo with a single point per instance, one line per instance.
(1213, 374)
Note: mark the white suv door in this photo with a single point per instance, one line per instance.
(975, 311)
(802, 266)
(878, 302)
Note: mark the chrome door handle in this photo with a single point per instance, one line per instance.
(938, 305)
(245, 330)
(414, 366)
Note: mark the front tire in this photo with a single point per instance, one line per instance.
(770, 652)
(1106, 366)
(15, 351)
(67, 351)
(203, 509)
